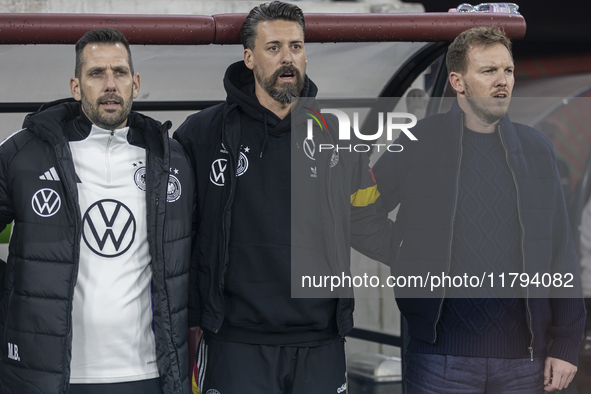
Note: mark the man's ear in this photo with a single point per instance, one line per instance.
(75, 88)
(457, 82)
(136, 85)
(248, 60)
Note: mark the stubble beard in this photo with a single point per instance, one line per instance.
(485, 108)
(107, 120)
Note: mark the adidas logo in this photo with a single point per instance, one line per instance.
(50, 175)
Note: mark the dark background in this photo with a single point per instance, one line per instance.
(559, 27)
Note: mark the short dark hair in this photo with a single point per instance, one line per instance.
(103, 36)
(268, 12)
(457, 53)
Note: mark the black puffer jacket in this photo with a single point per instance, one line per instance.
(39, 278)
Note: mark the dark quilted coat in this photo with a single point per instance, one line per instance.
(37, 283)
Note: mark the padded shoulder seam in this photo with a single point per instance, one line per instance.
(18, 141)
(10, 136)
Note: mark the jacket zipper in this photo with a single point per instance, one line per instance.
(107, 156)
(453, 217)
(531, 345)
(329, 176)
(72, 196)
(227, 205)
(150, 167)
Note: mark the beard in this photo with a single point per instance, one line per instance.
(487, 108)
(108, 120)
(286, 94)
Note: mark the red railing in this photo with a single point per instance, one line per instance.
(223, 29)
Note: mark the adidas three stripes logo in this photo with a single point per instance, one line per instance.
(50, 175)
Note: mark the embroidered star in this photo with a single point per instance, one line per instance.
(135, 164)
(176, 171)
(247, 149)
(139, 162)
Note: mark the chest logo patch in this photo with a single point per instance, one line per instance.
(242, 164)
(46, 202)
(108, 228)
(334, 158)
(216, 176)
(139, 178)
(309, 148)
(173, 192)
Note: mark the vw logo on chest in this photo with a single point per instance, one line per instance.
(108, 228)
(217, 176)
(46, 202)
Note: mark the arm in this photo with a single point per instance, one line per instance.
(380, 231)
(373, 234)
(181, 135)
(568, 311)
(2, 275)
(6, 212)
(387, 177)
(371, 230)
(586, 249)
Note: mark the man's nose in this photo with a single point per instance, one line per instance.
(286, 56)
(501, 79)
(110, 85)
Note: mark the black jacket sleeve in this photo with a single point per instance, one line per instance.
(371, 230)
(387, 178)
(568, 308)
(6, 211)
(2, 271)
(182, 135)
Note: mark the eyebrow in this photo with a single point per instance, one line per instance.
(96, 68)
(489, 66)
(279, 42)
(103, 68)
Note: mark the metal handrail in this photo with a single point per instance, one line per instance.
(26, 28)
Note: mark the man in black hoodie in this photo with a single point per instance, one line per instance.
(265, 205)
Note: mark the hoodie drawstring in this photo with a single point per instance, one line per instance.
(266, 136)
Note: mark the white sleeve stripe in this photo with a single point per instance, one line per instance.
(201, 363)
(10, 136)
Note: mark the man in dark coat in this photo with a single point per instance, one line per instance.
(478, 194)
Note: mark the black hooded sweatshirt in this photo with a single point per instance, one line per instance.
(257, 293)
(268, 211)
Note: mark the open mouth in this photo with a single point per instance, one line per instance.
(110, 104)
(287, 76)
(501, 95)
